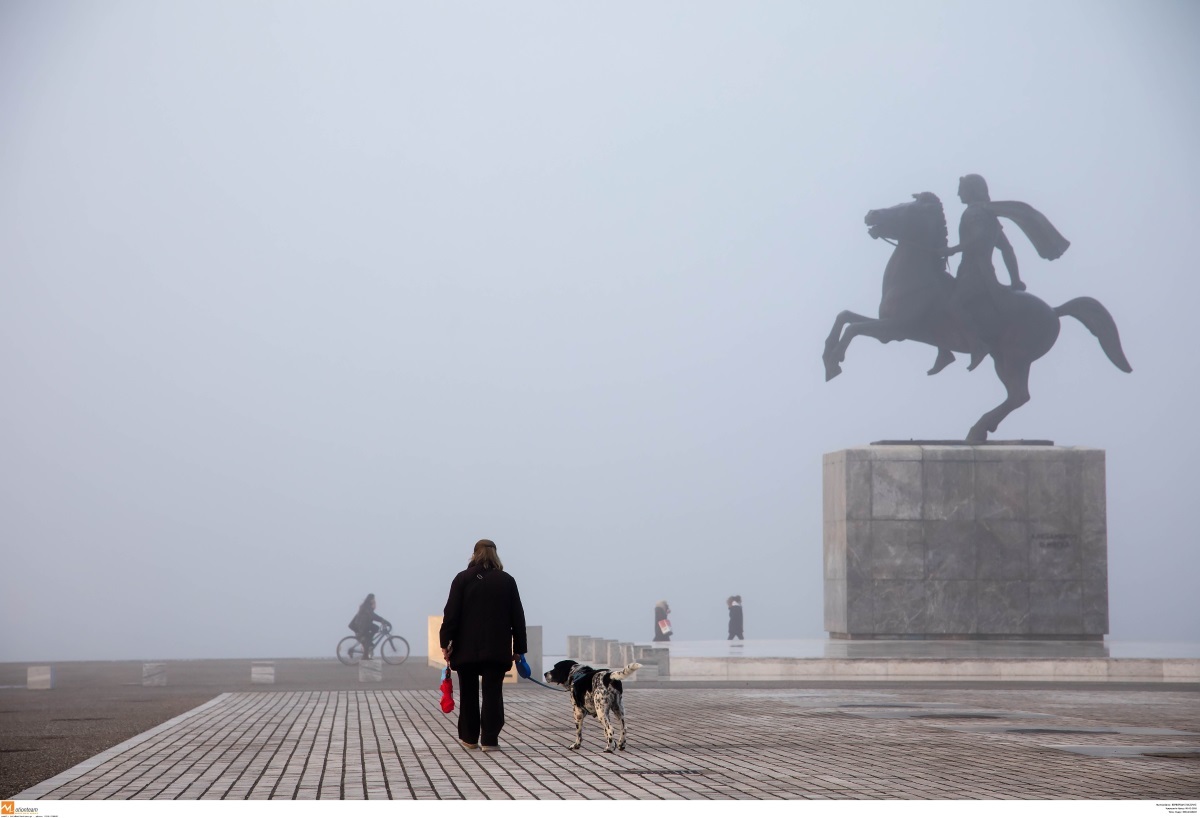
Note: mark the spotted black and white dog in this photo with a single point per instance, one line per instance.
(596, 693)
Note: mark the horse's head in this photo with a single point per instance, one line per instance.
(921, 221)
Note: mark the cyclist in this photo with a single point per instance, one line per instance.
(363, 624)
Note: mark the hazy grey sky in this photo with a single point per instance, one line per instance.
(301, 299)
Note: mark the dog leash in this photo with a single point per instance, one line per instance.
(523, 672)
(543, 684)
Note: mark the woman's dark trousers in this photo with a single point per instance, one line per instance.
(473, 726)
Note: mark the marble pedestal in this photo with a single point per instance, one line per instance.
(965, 541)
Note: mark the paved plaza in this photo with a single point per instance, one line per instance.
(919, 742)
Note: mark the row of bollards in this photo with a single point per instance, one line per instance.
(597, 651)
(154, 674)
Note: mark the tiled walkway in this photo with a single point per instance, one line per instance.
(683, 743)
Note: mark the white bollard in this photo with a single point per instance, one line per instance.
(39, 677)
(628, 653)
(574, 647)
(154, 674)
(533, 635)
(262, 673)
(434, 652)
(612, 657)
(533, 655)
(370, 670)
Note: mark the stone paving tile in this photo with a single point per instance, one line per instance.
(683, 744)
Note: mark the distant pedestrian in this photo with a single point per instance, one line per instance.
(735, 617)
(662, 625)
(483, 633)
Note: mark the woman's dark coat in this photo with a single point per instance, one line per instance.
(660, 613)
(483, 618)
(735, 620)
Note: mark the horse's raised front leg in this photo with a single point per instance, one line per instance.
(1015, 377)
(884, 330)
(835, 351)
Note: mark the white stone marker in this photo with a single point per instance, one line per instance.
(370, 670)
(433, 656)
(154, 674)
(39, 677)
(262, 673)
(533, 636)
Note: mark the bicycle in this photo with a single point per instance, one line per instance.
(392, 648)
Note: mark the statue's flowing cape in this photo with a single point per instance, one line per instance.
(1049, 243)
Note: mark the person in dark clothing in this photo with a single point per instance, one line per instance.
(662, 625)
(483, 633)
(363, 624)
(735, 617)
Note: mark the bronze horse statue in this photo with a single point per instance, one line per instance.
(917, 306)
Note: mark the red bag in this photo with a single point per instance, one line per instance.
(447, 691)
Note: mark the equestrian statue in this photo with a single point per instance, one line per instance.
(971, 312)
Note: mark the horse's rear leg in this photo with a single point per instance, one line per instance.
(835, 352)
(1015, 377)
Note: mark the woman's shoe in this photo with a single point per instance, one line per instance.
(490, 748)
(469, 745)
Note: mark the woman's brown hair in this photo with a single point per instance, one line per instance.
(485, 556)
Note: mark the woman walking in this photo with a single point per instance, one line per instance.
(483, 633)
(734, 603)
(662, 625)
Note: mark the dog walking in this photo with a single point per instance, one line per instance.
(595, 692)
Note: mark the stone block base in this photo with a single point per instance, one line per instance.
(39, 677)
(262, 673)
(965, 542)
(370, 670)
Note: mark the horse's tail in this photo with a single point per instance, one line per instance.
(1091, 313)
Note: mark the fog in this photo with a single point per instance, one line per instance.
(302, 299)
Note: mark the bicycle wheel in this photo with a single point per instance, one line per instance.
(394, 650)
(349, 650)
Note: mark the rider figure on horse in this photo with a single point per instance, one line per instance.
(974, 301)
(919, 302)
